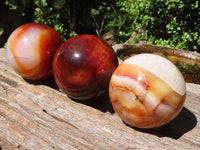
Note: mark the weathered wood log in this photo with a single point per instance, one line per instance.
(127, 49)
(39, 116)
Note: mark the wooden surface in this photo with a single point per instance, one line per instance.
(39, 116)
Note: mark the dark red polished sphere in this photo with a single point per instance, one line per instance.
(83, 65)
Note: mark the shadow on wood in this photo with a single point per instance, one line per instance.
(102, 103)
(50, 82)
(182, 124)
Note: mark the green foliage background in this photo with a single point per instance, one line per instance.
(172, 23)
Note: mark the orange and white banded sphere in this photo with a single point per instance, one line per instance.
(30, 50)
(147, 91)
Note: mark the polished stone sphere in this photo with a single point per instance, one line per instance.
(147, 91)
(30, 50)
(83, 66)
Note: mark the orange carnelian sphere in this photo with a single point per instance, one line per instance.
(30, 50)
(147, 91)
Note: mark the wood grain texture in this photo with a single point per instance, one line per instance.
(37, 115)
